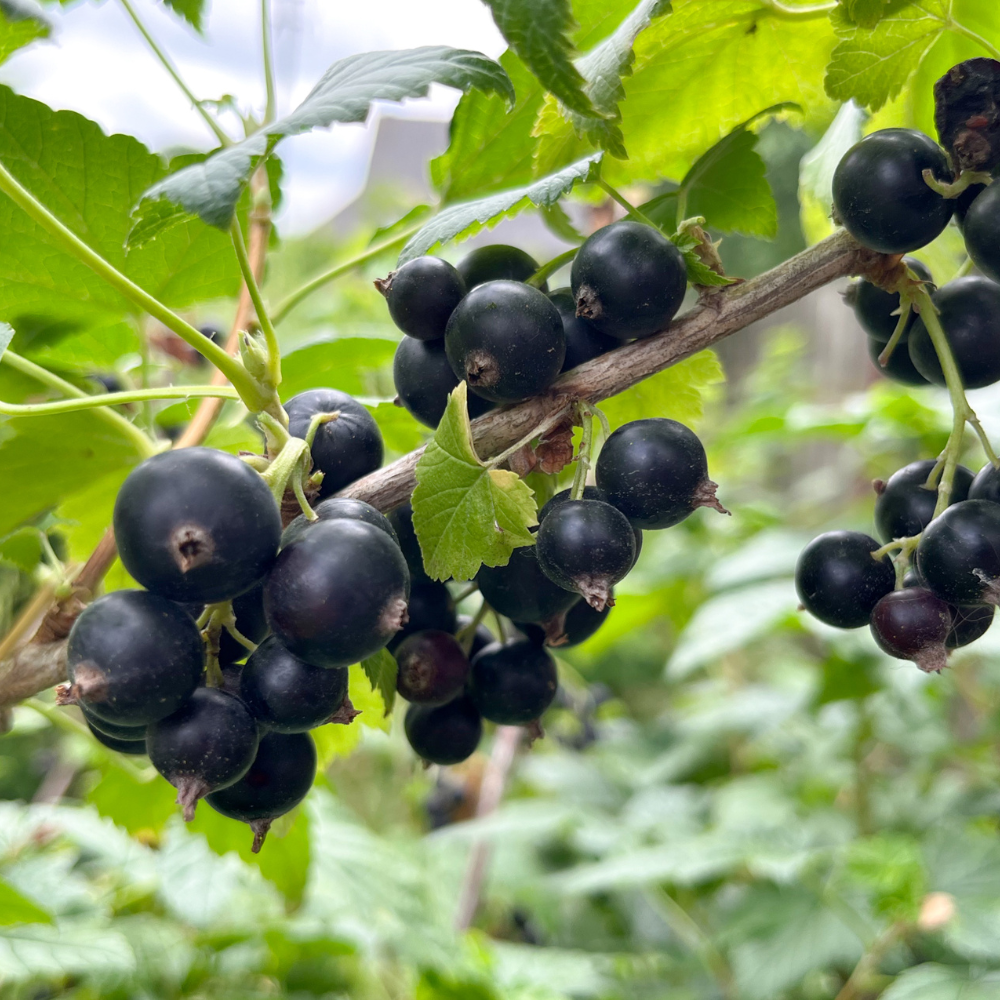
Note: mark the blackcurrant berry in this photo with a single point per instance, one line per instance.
(513, 683)
(424, 378)
(278, 780)
(344, 449)
(959, 553)
(128, 733)
(904, 507)
(421, 295)
(655, 472)
(579, 624)
(430, 607)
(432, 667)
(913, 625)
(899, 368)
(482, 637)
(964, 202)
(629, 280)
(196, 525)
(444, 734)
(496, 262)
(506, 341)
(209, 743)
(968, 624)
(521, 591)
(286, 694)
(970, 316)
(986, 485)
(881, 197)
(586, 546)
(982, 232)
(589, 493)
(401, 519)
(338, 593)
(248, 610)
(878, 311)
(134, 748)
(334, 508)
(584, 341)
(132, 658)
(839, 582)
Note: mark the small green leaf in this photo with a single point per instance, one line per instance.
(464, 513)
(18, 909)
(559, 223)
(380, 669)
(191, 10)
(22, 548)
(21, 22)
(467, 219)
(698, 272)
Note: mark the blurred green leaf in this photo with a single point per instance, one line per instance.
(350, 364)
(943, 982)
(891, 868)
(380, 669)
(36, 950)
(17, 909)
(21, 23)
(22, 548)
(191, 10)
(131, 804)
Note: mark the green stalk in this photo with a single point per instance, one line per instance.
(265, 32)
(143, 444)
(539, 277)
(105, 399)
(961, 29)
(170, 68)
(628, 206)
(250, 392)
(583, 458)
(270, 337)
(897, 334)
(791, 13)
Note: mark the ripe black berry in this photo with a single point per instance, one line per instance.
(970, 316)
(430, 607)
(432, 667)
(579, 624)
(982, 232)
(521, 591)
(401, 519)
(344, 449)
(286, 694)
(878, 311)
(444, 734)
(986, 485)
(513, 683)
(628, 280)
(589, 493)
(964, 202)
(333, 509)
(128, 733)
(881, 197)
(209, 743)
(421, 295)
(839, 582)
(506, 340)
(913, 624)
(586, 546)
(196, 525)
(655, 472)
(424, 378)
(584, 341)
(132, 658)
(135, 747)
(496, 262)
(969, 623)
(278, 780)
(338, 593)
(899, 368)
(959, 553)
(905, 507)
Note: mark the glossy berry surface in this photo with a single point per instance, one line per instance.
(133, 747)
(506, 341)
(279, 778)
(586, 546)
(964, 202)
(133, 658)
(589, 493)
(401, 519)
(584, 341)
(905, 507)
(496, 262)
(209, 743)
(513, 683)
(970, 316)
(444, 734)
(579, 624)
(839, 582)
(981, 229)
(433, 668)
(196, 525)
(424, 378)
(899, 367)
(655, 472)
(338, 593)
(521, 591)
(913, 624)
(959, 553)
(629, 280)
(430, 607)
(880, 196)
(986, 485)
(119, 732)
(286, 694)
(335, 508)
(421, 295)
(969, 623)
(875, 308)
(344, 449)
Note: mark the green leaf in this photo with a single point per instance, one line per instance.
(865, 13)
(132, 804)
(559, 223)
(891, 868)
(6, 336)
(191, 10)
(22, 549)
(211, 189)
(401, 433)
(33, 951)
(872, 64)
(360, 366)
(943, 982)
(380, 669)
(85, 352)
(464, 513)
(21, 22)
(538, 31)
(466, 219)
(17, 909)
(698, 272)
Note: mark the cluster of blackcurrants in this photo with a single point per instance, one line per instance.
(482, 323)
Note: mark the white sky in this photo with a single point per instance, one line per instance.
(96, 63)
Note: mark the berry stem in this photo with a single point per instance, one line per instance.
(550, 267)
(626, 204)
(300, 494)
(583, 456)
(287, 466)
(229, 623)
(538, 431)
(952, 189)
(466, 636)
(961, 29)
(966, 268)
(906, 307)
(211, 633)
(467, 593)
(271, 111)
(86, 402)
